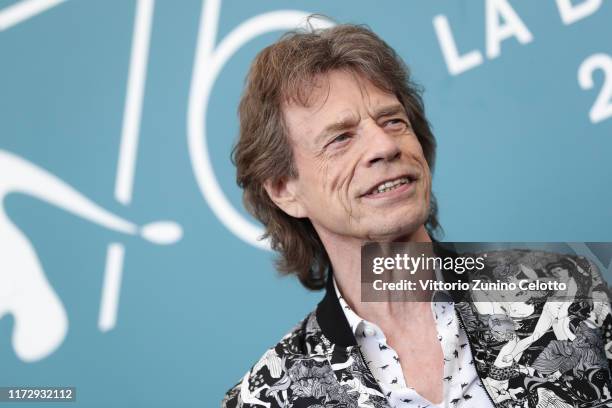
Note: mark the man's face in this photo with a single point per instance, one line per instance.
(361, 169)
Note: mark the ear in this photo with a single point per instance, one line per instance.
(284, 193)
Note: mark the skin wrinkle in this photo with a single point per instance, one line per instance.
(352, 218)
(317, 84)
(344, 187)
(364, 94)
(348, 158)
(352, 168)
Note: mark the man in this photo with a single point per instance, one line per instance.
(335, 151)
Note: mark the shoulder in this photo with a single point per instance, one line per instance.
(264, 383)
(534, 263)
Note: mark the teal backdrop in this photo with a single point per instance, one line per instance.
(113, 117)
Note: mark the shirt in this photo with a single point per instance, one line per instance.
(319, 361)
(462, 386)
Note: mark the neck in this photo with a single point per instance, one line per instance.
(345, 258)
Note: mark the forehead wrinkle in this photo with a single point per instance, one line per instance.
(362, 83)
(344, 121)
(312, 100)
(298, 127)
(345, 118)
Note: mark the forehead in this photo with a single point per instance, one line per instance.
(333, 97)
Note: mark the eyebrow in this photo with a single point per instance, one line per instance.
(342, 124)
(349, 122)
(389, 110)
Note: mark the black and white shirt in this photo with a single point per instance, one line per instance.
(462, 386)
(520, 354)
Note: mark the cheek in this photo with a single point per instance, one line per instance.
(335, 176)
(415, 152)
(343, 187)
(344, 176)
(426, 173)
(319, 185)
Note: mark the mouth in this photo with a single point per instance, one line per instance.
(389, 185)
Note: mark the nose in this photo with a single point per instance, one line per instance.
(381, 146)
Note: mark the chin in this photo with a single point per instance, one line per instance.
(400, 231)
(401, 226)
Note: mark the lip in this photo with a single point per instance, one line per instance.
(412, 177)
(402, 191)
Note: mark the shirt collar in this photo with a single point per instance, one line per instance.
(331, 318)
(355, 321)
(352, 318)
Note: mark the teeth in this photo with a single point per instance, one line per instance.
(390, 185)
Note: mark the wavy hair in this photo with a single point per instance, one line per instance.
(287, 70)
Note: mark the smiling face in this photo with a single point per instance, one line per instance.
(361, 170)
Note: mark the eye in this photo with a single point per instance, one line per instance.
(396, 124)
(339, 139)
